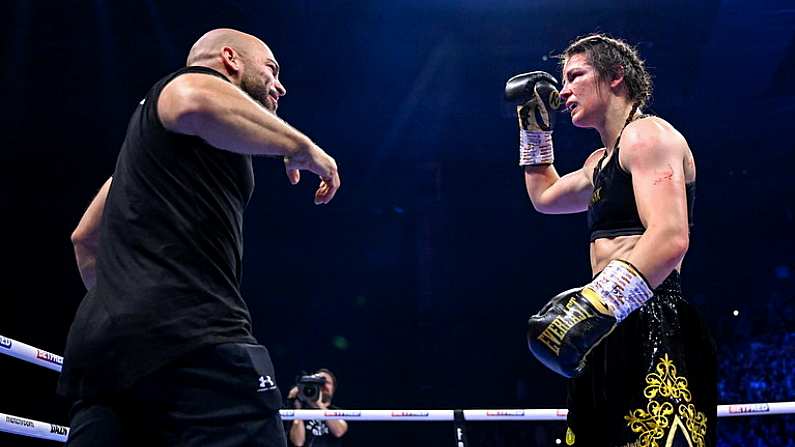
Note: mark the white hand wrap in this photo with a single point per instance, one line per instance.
(622, 288)
(535, 148)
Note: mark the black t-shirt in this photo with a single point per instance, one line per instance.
(319, 435)
(169, 259)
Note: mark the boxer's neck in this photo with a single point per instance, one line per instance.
(616, 118)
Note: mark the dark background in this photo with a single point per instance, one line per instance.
(414, 284)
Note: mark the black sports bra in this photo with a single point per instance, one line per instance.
(613, 211)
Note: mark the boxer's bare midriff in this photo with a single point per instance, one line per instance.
(605, 250)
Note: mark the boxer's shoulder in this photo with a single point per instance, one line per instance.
(650, 131)
(650, 137)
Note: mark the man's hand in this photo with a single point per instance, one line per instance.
(320, 404)
(315, 160)
(293, 396)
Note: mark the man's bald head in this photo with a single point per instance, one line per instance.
(245, 60)
(208, 49)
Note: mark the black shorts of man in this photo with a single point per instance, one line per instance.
(315, 391)
(161, 351)
(641, 362)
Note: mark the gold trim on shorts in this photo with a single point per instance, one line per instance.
(657, 424)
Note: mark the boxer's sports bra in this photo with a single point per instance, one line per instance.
(613, 211)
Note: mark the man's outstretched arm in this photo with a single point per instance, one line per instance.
(225, 117)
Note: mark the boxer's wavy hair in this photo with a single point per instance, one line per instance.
(610, 56)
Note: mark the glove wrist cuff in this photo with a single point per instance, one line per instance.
(535, 148)
(622, 288)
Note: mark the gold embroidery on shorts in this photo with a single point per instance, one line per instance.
(569, 436)
(695, 422)
(651, 422)
(654, 423)
(666, 383)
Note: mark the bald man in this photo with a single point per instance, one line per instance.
(161, 351)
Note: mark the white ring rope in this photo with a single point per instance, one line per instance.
(32, 429)
(30, 354)
(527, 414)
(44, 430)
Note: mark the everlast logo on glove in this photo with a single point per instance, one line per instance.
(563, 333)
(553, 335)
(573, 322)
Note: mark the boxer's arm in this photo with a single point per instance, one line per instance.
(85, 238)
(654, 155)
(552, 194)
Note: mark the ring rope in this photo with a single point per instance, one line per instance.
(33, 429)
(45, 430)
(30, 354)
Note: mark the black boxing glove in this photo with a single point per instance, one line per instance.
(572, 323)
(536, 97)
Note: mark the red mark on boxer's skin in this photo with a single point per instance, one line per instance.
(665, 176)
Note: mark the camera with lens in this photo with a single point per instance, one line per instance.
(309, 388)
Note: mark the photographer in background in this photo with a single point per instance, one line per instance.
(315, 392)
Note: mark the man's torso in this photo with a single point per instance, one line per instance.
(169, 258)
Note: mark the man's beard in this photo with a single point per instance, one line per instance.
(257, 91)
